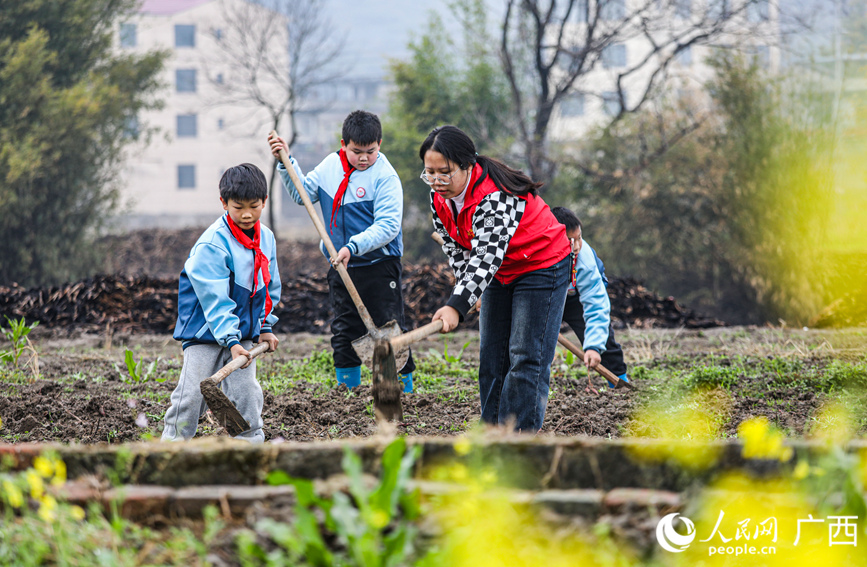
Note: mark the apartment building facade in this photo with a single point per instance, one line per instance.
(172, 181)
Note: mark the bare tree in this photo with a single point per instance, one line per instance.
(555, 48)
(278, 53)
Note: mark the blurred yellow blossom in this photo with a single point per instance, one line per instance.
(48, 509)
(77, 512)
(34, 481)
(462, 446)
(13, 494)
(763, 442)
(43, 466)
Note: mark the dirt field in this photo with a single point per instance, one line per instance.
(85, 393)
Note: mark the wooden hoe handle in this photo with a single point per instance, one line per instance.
(239, 362)
(323, 234)
(576, 350)
(416, 334)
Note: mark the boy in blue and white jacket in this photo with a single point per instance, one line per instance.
(227, 291)
(588, 309)
(362, 203)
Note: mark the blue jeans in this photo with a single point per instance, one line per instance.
(518, 326)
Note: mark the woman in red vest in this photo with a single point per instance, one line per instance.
(501, 240)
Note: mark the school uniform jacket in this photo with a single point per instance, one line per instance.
(369, 220)
(214, 294)
(495, 235)
(591, 286)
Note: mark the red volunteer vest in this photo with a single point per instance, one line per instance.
(539, 242)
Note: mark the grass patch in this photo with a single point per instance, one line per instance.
(318, 369)
(709, 377)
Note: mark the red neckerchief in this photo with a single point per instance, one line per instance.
(338, 197)
(260, 261)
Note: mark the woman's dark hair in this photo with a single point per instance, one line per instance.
(459, 148)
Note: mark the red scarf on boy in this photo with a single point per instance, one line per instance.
(338, 197)
(259, 263)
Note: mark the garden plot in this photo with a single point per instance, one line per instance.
(691, 385)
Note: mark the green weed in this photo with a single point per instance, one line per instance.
(373, 526)
(708, 377)
(136, 372)
(20, 343)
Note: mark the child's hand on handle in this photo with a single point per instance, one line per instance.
(591, 358)
(343, 256)
(449, 316)
(277, 143)
(238, 351)
(271, 339)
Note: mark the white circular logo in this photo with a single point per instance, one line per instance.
(359, 192)
(392, 284)
(669, 539)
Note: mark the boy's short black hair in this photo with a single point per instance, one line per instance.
(362, 127)
(244, 182)
(567, 217)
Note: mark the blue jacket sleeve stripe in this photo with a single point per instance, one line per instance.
(594, 300)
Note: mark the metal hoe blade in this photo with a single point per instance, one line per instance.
(364, 346)
(223, 410)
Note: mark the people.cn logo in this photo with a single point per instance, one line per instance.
(669, 539)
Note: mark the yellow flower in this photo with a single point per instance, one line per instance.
(37, 487)
(59, 473)
(43, 466)
(13, 494)
(762, 442)
(462, 446)
(802, 469)
(378, 519)
(77, 512)
(459, 473)
(48, 509)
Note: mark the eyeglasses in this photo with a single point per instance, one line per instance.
(440, 179)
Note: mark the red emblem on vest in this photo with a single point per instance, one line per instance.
(359, 192)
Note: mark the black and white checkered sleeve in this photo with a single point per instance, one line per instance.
(458, 255)
(495, 221)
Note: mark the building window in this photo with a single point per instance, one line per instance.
(218, 34)
(759, 11)
(682, 9)
(128, 35)
(186, 177)
(219, 78)
(610, 103)
(614, 56)
(220, 124)
(187, 126)
(572, 105)
(612, 9)
(185, 35)
(684, 56)
(185, 79)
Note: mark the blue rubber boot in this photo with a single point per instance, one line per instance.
(407, 382)
(622, 377)
(349, 376)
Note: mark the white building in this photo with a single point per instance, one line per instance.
(174, 180)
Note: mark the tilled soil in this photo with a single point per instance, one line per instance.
(84, 395)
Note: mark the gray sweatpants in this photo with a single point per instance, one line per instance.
(188, 405)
